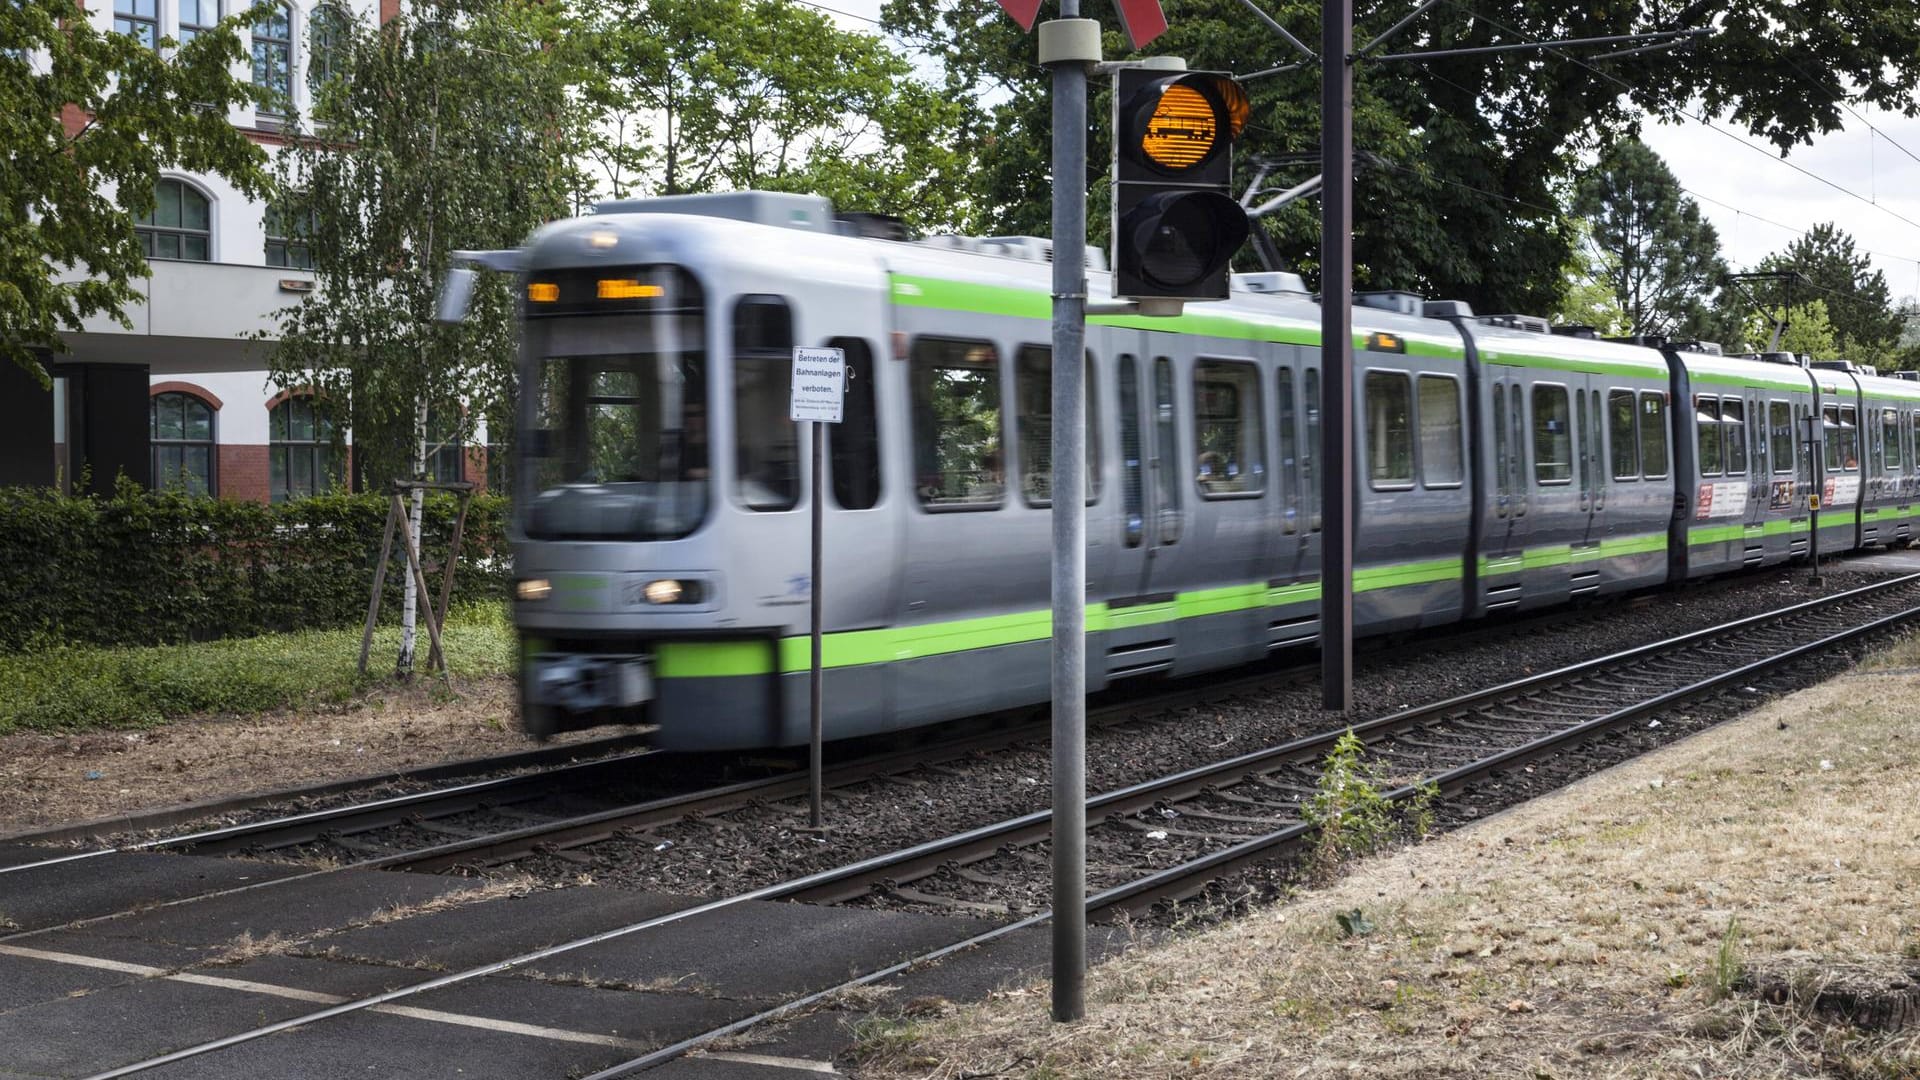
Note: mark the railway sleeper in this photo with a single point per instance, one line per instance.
(914, 896)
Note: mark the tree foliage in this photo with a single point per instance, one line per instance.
(1466, 157)
(708, 95)
(88, 120)
(443, 129)
(1655, 253)
(1866, 328)
(1807, 329)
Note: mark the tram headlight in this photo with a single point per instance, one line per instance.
(665, 591)
(534, 589)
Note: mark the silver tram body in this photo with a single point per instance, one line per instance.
(661, 520)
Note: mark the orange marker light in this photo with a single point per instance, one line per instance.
(1381, 341)
(542, 292)
(627, 289)
(1182, 130)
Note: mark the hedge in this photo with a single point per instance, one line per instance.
(150, 569)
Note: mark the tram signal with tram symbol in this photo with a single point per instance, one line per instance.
(1176, 224)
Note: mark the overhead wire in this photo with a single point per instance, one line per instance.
(1703, 121)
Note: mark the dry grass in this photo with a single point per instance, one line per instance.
(49, 779)
(1585, 935)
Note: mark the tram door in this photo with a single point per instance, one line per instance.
(1505, 522)
(1589, 396)
(1141, 592)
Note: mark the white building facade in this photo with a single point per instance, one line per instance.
(182, 399)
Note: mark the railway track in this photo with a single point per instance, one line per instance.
(496, 820)
(1248, 811)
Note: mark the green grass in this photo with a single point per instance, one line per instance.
(76, 689)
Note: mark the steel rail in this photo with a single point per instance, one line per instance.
(1192, 876)
(1189, 876)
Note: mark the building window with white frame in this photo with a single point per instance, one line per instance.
(299, 449)
(289, 239)
(180, 225)
(273, 58)
(328, 30)
(182, 441)
(197, 17)
(138, 19)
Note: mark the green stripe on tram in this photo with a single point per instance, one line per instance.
(1551, 555)
(853, 648)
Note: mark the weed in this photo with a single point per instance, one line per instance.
(878, 1037)
(1354, 923)
(1350, 814)
(1726, 962)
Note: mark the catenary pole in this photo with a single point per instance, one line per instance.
(1336, 354)
(1069, 45)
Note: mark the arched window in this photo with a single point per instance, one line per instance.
(179, 225)
(299, 449)
(197, 17)
(182, 440)
(327, 30)
(139, 19)
(273, 57)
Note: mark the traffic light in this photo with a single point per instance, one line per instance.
(1176, 223)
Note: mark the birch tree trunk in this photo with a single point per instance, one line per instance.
(410, 604)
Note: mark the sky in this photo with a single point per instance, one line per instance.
(1876, 156)
(1758, 202)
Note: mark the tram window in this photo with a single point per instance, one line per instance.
(1130, 450)
(1733, 419)
(1653, 434)
(1706, 417)
(1830, 435)
(1289, 449)
(1389, 431)
(1584, 445)
(1440, 455)
(1780, 428)
(1310, 453)
(766, 448)
(1227, 428)
(1597, 451)
(1625, 444)
(1033, 397)
(854, 450)
(1850, 439)
(1517, 438)
(1166, 450)
(1890, 436)
(956, 424)
(1552, 442)
(1500, 448)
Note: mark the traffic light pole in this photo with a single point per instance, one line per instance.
(1069, 46)
(1336, 355)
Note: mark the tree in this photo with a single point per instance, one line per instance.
(768, 95)
(1589, 300)
(1807, 330)
(445, 128)
(1653, 250)
(1866, 327)
(88, 120)
(1468, 155)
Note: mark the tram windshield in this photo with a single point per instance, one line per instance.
(616, 439)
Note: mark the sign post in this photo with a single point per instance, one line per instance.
(818, 395)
